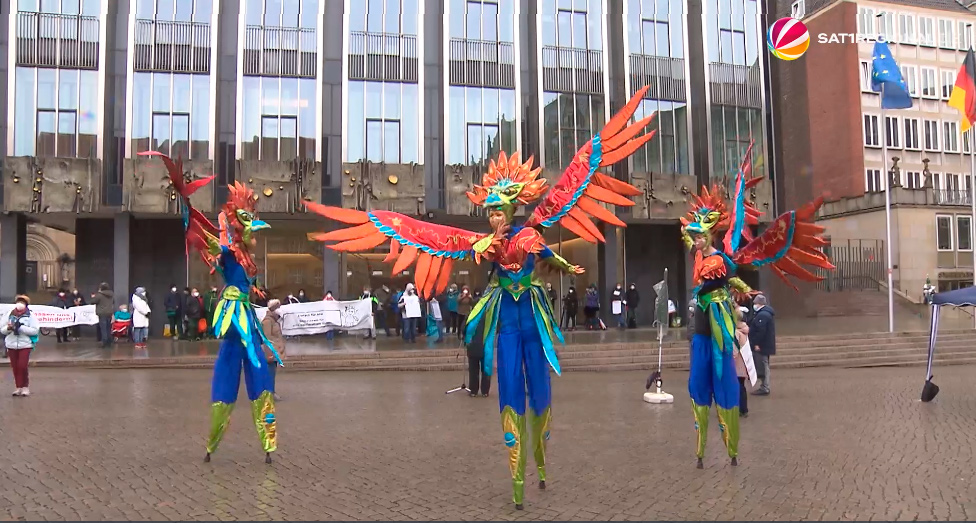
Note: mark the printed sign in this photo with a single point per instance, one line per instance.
(55, 317)
(316, 317)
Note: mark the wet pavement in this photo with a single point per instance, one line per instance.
(828, 445)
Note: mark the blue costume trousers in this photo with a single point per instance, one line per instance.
(522, 364)
(704, 384)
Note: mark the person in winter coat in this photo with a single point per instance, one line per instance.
(19, 331)
(382, 296)
(617, 305)
(140, 317)
(453, 320)
(434, 314)
(104, 302)
(570, 309)
(174, 312)
(762, 337)
(271, 325)
(194, 313)
(741, 336)
(77, 300)
(375, 306)
(330, 334)
(410, 305)
(591, 306)
(633, 301)
(302, 298)
(465, 303)
(61, 301)
(478, 381)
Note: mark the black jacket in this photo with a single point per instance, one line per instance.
(571, 303)
(174, 302)
(476, 349)
(61, 303)
(633, 298)
(762, 331)
(193, 308)
(104, 302)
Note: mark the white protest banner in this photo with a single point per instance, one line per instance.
(316, 317)
(55, 317)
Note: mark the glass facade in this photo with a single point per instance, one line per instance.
(175, 10)
(171, 114)
(481, 123)
(734, 43)
(281, 13)
(279, 118)
(572, 23)
(64, 7)
(56, 113)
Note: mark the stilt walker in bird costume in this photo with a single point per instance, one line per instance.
(227, 250)
(515, 308)
(790, 242)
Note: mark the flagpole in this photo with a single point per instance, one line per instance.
(972, 201)
(887, 183)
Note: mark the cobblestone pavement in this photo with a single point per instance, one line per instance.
(828, 444)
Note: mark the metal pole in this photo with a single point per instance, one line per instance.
(972, 201)
(887, 186)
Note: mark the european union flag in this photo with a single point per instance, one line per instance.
(885, 72)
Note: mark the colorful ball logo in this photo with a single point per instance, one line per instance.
(788, 39)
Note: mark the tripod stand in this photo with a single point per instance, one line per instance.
(464, 372)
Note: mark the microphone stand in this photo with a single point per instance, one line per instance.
(464, 372)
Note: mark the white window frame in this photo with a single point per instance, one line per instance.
(964, 34)
(910, 74)
(906, 29)
(888, 26)
(929, 77)
(965, 139)
(895, 142)
(866, 24)
(959, 227)
(950, 129)
(952, 235)
(926, 31)
(931, 129)
(873, 120)
(947, 79)
(952, 182)
(913, 179)
(798, 9)
(873, 180)
(866, 77)
(947, 31)
(912, 131)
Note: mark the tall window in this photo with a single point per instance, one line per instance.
(280, 13)
(906, 26)
(930, 135)
(912, 141)
(872, 136)
(910, 74)
(573, 24)
(865, 76)
(873, 180)
(950, 136)
(926, 31)
(865, 21)
(913, 179)
(481, 123)
(489, 20)
(56, 113)
(887, 26)
(943, 232)
(964, 233)
(64, 7)
(948, 81)
(279, 118)
(929, 85)
(569, 121)
(174, 11)
(171, 114)
(965, 35)
(946, 38)
(668, 151)
(967, 141)
(732, 130)
(384, 122)
(892, 132)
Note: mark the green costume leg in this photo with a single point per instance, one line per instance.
(540, 435)
(263, 412)
(701, 425)
(728, 420)
(514, 427)
(219, 420)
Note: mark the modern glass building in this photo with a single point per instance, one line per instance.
(371, 104)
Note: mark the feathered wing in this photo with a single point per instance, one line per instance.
(433, 247)
(790, 242)
(198, 229)
(581, 191)
(743, 214)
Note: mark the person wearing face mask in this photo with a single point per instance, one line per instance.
(453, 321)
(410, 305)
(20, 335)
(121, 321)
(61, 301)
(374, 307)
(570, 309)
(617, 305)
(140, 317)
(174, 312)
(77, 300)
(465, 302)
(194, 313)
(301, 296)
(104, 302)
(633, 300)
(552, 296)
(330, 334)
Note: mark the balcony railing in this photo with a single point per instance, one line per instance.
(383, 56)
(570, 70)
(953, 197)
(481, 63)
(737, 85)
(280, 51)
(664, 75)
(180, 47)
(56, 40)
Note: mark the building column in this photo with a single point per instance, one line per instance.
(331, 268)
(94, 253)
(122, 258)
(609, 273)
(13, 256)
(697, 87)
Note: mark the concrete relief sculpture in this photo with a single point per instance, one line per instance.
(393, 187)
(51, 184)
(281, 185)
(147, 187)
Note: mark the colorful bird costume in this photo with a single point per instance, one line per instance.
(792, 240)
(515, 308)
(227, 250)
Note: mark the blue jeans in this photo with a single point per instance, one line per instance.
(139, 334)
(410, 330)
(105, 327)
(619, 318)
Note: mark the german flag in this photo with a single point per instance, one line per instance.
(963, 97)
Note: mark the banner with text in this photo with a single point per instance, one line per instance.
(316, 317)
(55, 317)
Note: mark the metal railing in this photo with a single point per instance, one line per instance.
(481, 63)
(860, 265)
(280, 51)
(56, 40)
(664, 75)
(737, 85)
(383, 56)
(181, 47)
(952, 197)
(571, 70)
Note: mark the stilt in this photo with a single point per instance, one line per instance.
(542, 485)
(700, 465)
(206, 459)
(267, 457)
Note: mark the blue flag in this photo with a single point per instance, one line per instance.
(885, 72)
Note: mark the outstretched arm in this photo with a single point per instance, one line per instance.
(741, 292)
(559, 262)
